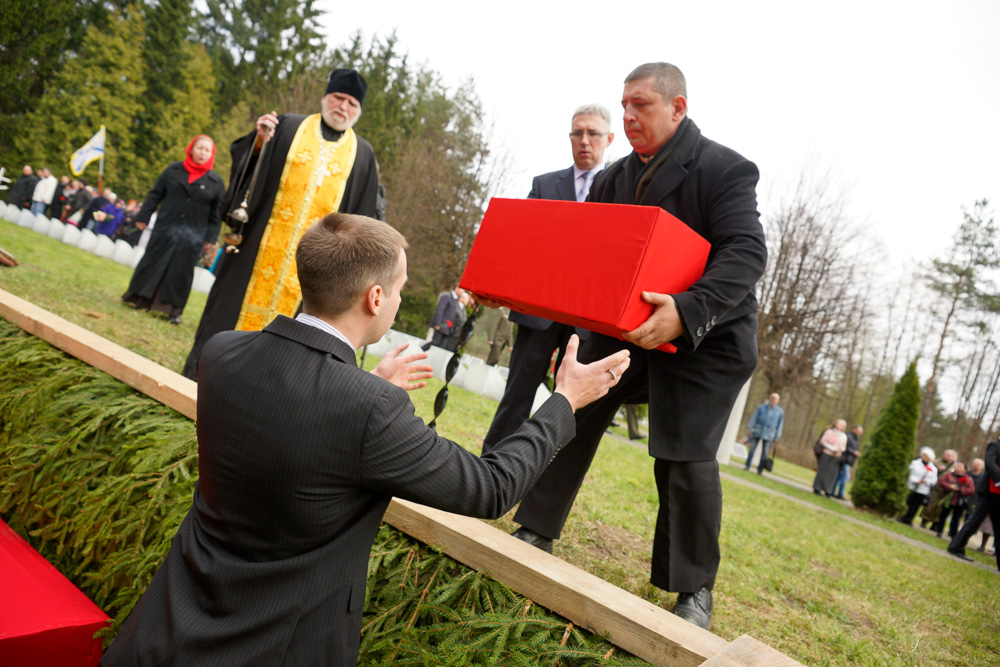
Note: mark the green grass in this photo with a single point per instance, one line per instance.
(825, 591)
(86, 290)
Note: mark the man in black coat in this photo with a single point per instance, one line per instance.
(713, 324)
(445, 322)
(314, 165)
(537, 338)
(299, 454)
(20, 193)
(987, 504)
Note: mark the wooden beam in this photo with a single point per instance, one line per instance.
(637, 626)
(748, 652)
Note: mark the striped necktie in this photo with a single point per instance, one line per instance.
(581, 193)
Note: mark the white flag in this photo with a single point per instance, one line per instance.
(92, 150)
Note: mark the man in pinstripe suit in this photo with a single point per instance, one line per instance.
(301, 451)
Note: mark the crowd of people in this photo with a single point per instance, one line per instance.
(939, 489)
(76, 203)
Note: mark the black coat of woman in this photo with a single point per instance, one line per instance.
(188, 219)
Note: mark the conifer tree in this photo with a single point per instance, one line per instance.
(189, 112)
(36, 39)
(881, 478)
(166, 58)
(257, 45)
(103, 85)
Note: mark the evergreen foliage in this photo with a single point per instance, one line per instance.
(104, 84)
(36, 39)
(165, 59)
(881, 478)
(98, 478)
(257, 45)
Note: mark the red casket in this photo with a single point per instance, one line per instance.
(44, 619)
(583, 264)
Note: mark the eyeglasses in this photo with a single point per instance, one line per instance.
(464, 334)
(593, 134)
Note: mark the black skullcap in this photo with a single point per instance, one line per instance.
(347, 81)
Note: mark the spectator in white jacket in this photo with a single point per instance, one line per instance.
(45, 189)
(923, 477)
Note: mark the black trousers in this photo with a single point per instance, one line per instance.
(913, 504)
(529, 363)
(686, 542)
(987, 505)
(956, 518)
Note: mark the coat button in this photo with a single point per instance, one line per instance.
(700, 332)
(713, 321)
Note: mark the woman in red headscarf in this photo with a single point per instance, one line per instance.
(186, 200)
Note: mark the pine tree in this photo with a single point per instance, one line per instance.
(258, 45)
(881, 479)
(188, 113)
(961, 281)
(103, 85)
(36, 39)
(166, 58)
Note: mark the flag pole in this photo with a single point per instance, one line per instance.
(100, 165)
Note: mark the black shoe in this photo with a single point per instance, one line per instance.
(175, 319)
(960, 554)
(695, 608)
(534, 539)
(426, 346)
(839, 497)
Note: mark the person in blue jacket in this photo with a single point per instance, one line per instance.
(765, 425)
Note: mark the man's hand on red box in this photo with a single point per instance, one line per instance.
(580, 383)
(663, 325)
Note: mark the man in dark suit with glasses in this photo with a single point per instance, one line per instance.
(537, 338)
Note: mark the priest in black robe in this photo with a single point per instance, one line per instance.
(312, 166)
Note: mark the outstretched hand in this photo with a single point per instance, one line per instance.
(397, 369)
(663, 325)
(584, 383)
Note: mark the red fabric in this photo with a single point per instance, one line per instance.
(44, 619)
(196, 171)
(582, 264)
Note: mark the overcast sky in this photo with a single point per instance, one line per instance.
(898, 100)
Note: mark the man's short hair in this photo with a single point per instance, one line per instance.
(668, 80)
(343, 255)
(593, 110)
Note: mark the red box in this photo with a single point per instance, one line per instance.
(582, 264)
(44, 619)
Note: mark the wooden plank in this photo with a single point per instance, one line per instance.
(638, 626)
(748, 652)
(167, 387)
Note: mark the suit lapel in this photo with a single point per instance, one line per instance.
(312, 337)
(673, 173)
(565, 187)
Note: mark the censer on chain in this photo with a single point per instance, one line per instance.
(238, 217)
